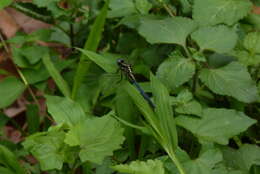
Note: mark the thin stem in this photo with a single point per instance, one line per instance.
(187, 51)
(71, 35)
(238, 141)
(167, 8)
(175, 161)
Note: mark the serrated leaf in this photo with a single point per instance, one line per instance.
(209, 12)
(170, 30)
(65, 110)
(232, 80)
(216, 125)
(97, 137)
(246, 58)
(175, 71)
(220, 39)
(141, 167)
(252, 42)
(245, 156)
(10, 89)
(47, 148)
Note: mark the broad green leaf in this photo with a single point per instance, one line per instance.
(53, 71)
(232, 80)
(246, 156)
(191, 107)
(10, 89)
(175, 71)
(10, 162)
(252, 42)
(141, 167)
(107, 64)
(33, 53)
(205, 163)
(65, 110)
(211, 12)
(216, 125)
(143, 6)
(97, 138)
(164, 113)
(47, 148)
(170, 30)
(121, 8)
(5, 3)
(91, 44)
(220, 39)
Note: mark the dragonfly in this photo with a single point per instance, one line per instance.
(127, 70)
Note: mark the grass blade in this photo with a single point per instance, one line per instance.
(91, 44)
(61, 83)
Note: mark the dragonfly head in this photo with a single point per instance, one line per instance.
(120, 61)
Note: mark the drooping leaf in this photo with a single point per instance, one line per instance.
(170, 30)
(65, 110)
(232, 80)
(220, 39)
(53, 71)
(47, 148)
(216, 125)
(141, 167)
(10, 89)
(121, 8)
(109, 65)
(175, 71)
(252, 42)
(143, 6)
(245, 156)
(97, 137)
(208, 12)
(10, 162)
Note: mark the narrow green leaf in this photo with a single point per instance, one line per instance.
(107, 64)
(175, 71)
(170, 30)
(5, 3)
(61, 83)
(220, 39)
(91, 44)
(65, 110)
(141, 167)
(208, 12)
(32, 118)
(232, 80)
(164, 113)
(9, 160)
(97, 137)
(10, 89)
(216, 125)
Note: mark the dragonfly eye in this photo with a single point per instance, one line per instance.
(120, 61)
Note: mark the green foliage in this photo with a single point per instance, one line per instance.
(83, 116)
(140, 167)
(10, 89)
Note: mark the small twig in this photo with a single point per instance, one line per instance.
(168, 10)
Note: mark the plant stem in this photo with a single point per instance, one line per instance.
(187, 51)
(168, 10)
(238, 141)
(175, 161)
